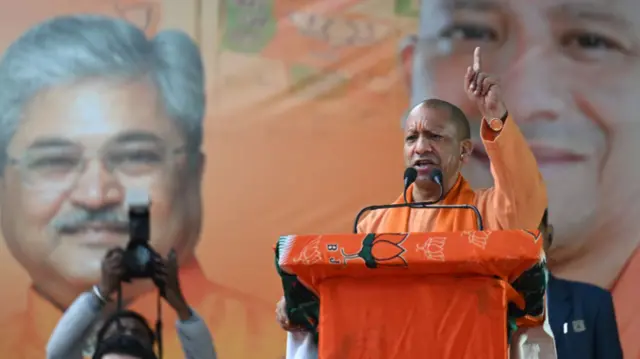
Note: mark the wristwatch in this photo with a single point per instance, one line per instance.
(103, 299)
(496, 124)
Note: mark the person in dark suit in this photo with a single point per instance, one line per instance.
(581, 315)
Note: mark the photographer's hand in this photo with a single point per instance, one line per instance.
(112, 272)
(166, 278)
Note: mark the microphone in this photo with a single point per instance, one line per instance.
(436, 176)
(410, 175)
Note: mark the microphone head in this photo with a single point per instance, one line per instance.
(410, 175)
(436, 176)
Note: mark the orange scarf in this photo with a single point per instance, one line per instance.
(447, 220)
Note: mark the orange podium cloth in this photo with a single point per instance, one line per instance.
(416, 295)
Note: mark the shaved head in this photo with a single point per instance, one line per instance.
(456, 115)
(436, 136)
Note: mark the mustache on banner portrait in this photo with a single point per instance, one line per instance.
(113, 219)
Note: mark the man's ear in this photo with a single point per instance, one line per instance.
(407, 52)
(466, 148)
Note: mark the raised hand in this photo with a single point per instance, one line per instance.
(167, 279)
(283, 319)
(112, 271)
(484, 90)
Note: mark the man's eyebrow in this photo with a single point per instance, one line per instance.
(592, 12)
(51, 142)
(137, 136)
(416, 126)
(477, 5)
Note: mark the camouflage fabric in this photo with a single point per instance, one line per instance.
(303, 307)
(532, 285)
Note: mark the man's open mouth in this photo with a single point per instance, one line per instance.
(423, 163)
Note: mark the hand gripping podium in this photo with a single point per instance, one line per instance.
(415, 295)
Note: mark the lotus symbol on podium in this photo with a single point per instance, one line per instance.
(381, 250)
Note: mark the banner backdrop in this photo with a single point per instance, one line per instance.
(304, 101)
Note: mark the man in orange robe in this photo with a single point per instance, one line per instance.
(437, 136)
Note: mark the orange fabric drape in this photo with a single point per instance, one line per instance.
(375, 303)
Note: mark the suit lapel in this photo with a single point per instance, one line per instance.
(559, 311)
(559, 297)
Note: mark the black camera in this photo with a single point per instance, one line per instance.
(138, 257)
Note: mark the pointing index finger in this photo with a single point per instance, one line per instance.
(476, 59)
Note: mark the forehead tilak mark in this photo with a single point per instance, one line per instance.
(418, 121)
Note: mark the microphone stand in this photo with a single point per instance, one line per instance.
(373, 208)
(421, 205)
(434, 205)
(475, 210)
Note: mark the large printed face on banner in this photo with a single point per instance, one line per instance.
(91, 107)
(570, 71)
(80, 131)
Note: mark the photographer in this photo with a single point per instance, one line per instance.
(70, 335)
(125, 335)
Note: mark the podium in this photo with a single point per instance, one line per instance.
(412, 295)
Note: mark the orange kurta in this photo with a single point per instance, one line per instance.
(241, 326)
(517, 201)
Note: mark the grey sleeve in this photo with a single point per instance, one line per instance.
(195, 338)
(66, 340)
